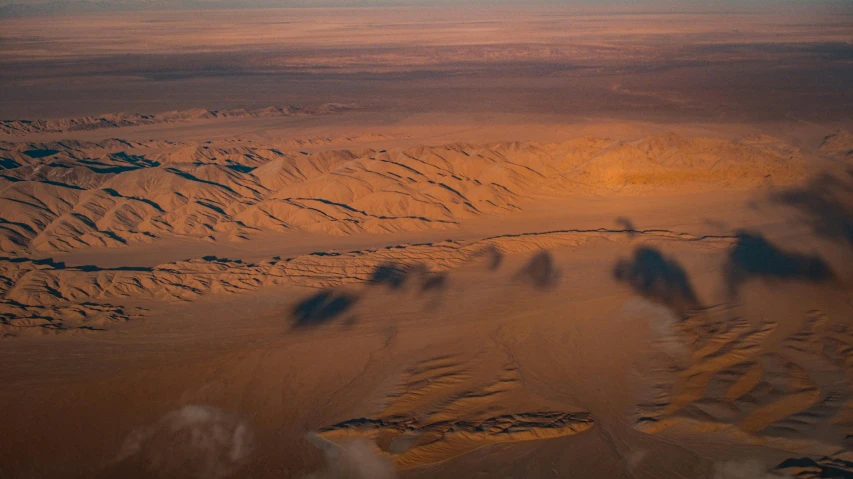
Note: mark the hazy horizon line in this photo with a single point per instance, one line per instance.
(19, 8)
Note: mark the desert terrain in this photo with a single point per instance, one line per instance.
(414, 242)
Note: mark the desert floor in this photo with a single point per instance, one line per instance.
(488, 249)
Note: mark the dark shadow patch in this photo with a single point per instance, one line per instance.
(8, 164)
(212, 207)
(116, 194)
(494, 258)
(392, 276)
(332, 203)
(41, 262)
(322, 307)
(188, 176)
(626, 223)
(40, 153)
(217, 259)
(396, 277)
(540, 272)
(29, 229)
(659, 279)
(755, 257)
(133, 162)
(11, 178)
(136, 160)
(324, 253)
(241, 168)
(90, 268)
(434, 282)
(112, 169)
(825, 467)
(60, 265)
(61, 185)
(827, 205)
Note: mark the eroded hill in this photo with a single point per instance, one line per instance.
(63, 195)
(119, 120)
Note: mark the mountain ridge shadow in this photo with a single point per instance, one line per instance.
(539, 272)
(322, 307)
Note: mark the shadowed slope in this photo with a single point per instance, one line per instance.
(59, 196)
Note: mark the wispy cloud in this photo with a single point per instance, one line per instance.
(355, 459)
(195, 441)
